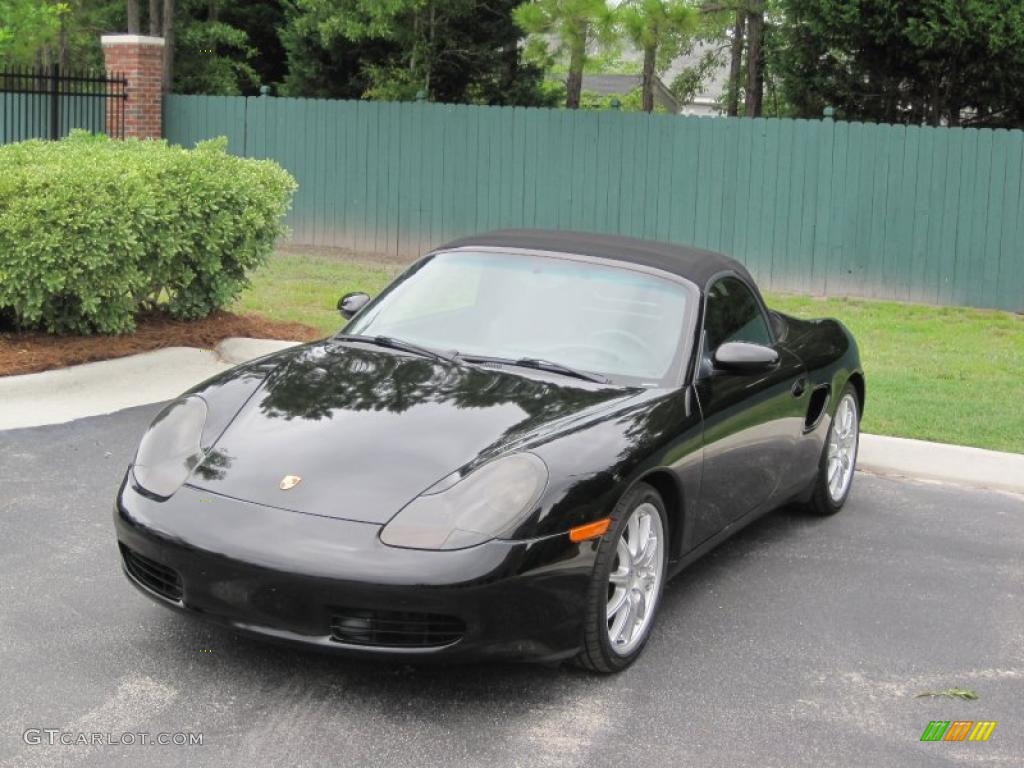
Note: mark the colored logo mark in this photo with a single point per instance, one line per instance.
(958, 730)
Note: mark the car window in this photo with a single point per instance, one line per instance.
(614, 321)
(423, 300)
(733, 314)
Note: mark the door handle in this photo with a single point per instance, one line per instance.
(799, 386)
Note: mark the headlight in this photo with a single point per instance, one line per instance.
(484, 505)
(170, 448)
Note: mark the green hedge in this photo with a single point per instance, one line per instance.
(92, 231)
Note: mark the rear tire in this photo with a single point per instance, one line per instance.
(838, 458)
(627, 582)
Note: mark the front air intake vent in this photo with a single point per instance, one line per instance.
(155, 577)
(395, 629)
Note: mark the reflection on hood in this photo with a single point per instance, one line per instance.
(370, 429)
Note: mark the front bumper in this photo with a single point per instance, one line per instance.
(288, 576)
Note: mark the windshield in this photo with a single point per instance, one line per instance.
(614, 321)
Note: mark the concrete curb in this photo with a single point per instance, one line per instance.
(958, 464)
(93, 389)
(238, 350)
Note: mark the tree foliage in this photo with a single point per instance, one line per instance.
(27, 26)
(454, 51)
(738, 36)
(217, 46)
(325, 67)
(78, 44)
(212, 56)
(661, 30)
(930, 61)
(566, 31)
(633, 101)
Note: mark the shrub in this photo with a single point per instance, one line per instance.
(93, 230)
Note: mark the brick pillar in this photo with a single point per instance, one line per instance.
(139, 59)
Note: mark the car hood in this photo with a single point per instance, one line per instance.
(367, 430)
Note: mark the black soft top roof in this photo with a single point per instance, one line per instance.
(694, 264)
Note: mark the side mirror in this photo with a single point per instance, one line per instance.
(351, 303)
(744, 357)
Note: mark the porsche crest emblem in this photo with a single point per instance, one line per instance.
(289, 481)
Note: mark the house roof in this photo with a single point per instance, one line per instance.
(620, 85)
(606, 85)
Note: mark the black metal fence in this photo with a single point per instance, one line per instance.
(49, 104)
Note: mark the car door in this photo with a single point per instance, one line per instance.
(752, 420)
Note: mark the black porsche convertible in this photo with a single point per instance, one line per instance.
(505, 454)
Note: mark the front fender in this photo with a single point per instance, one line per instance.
(593, 466)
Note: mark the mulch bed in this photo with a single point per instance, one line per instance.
(33, 352)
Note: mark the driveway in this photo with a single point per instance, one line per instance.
(801, 642)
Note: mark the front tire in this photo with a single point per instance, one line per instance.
(839, 457)
(627, 582)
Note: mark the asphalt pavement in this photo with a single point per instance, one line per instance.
(800, 642)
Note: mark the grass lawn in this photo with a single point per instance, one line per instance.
(946, 374)
(306, 289)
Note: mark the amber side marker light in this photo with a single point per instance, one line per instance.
(590, 530)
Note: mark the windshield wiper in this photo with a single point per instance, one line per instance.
(538, 364)
(405, 346)
(525, 362)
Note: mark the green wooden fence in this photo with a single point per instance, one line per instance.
(27, 116)
(920, 214)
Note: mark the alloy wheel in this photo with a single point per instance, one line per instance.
(842, 448)
(635, 580)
